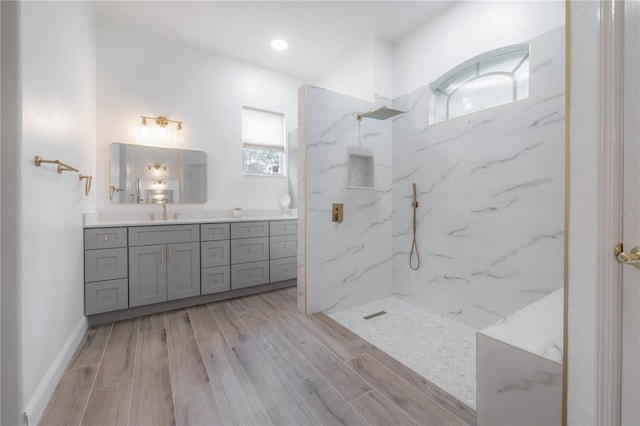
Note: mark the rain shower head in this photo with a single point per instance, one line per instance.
(381, 113)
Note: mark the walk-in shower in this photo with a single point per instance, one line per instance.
(490, 223)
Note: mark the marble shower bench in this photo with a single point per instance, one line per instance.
(519, 366)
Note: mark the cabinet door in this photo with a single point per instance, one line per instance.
(249, 250)
(163, 234)
(283, 246)
(105, 296)
(99, 238)
(214, 253)
(105, 264)
(249, 274)
(147, 275)
(216, 280)
(283, 227)
(183, 270)
(249, 229)
(283, 269)
(214, 231)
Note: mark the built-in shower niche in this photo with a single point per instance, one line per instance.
(360, 175)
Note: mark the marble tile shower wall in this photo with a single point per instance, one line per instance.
(347, 264)
(491, 192)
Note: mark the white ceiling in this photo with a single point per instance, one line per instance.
(319, 33)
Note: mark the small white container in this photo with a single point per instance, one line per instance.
(237, 212)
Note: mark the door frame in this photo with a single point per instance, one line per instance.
(610, 212)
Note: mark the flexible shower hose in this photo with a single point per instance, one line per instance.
(414, 245)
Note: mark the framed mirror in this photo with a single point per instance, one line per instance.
(152, 175)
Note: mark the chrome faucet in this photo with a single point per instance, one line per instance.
(164, 210)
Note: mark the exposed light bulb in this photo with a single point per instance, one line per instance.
(178, 135)
(144, 129)
(162, 131)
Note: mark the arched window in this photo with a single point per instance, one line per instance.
(491, 79)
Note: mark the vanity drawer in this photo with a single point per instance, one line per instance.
(249, 250)
(106, 296)
(284, 269)
(283, 246)
(163, 234)
(249, 274)
(216, 280)
(283, 227)
(214, 253)
(214, 231)
(249, 229)
(105, 264)
(99, 238)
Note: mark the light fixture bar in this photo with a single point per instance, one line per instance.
(161, 121)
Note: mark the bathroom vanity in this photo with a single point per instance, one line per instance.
(141, 269)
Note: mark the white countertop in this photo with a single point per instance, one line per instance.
(97, 220)
(536, 328)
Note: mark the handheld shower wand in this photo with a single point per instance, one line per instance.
(414, 245)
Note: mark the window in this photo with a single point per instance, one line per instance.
(263, 142)
(491, 79)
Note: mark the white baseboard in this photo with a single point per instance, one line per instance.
(36, 406)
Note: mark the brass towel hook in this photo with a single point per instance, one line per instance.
(62, 167)
(87, 183)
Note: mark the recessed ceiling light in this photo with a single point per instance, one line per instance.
(279, 44)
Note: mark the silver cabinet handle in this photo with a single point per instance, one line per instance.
(169, 256)
(162, 255)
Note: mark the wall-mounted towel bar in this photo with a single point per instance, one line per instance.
(62, 167)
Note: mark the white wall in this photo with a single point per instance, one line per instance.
(58, 122)
(353, 75)
(473, 27)
(366, 72)
(139, 74)
(583, 213)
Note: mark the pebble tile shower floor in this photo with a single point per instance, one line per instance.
(436, 347)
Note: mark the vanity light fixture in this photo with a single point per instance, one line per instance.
(279, 44)
(157, 167)
(162, 123)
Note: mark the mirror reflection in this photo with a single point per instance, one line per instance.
(152, 175)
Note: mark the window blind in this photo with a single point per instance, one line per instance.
(262, 130)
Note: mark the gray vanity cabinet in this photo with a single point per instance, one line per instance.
(127, 267)
(166, 271)
(283, 250)
(105, 270)
(249, 254)
(215, 252)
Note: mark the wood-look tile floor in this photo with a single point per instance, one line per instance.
(249, 361)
